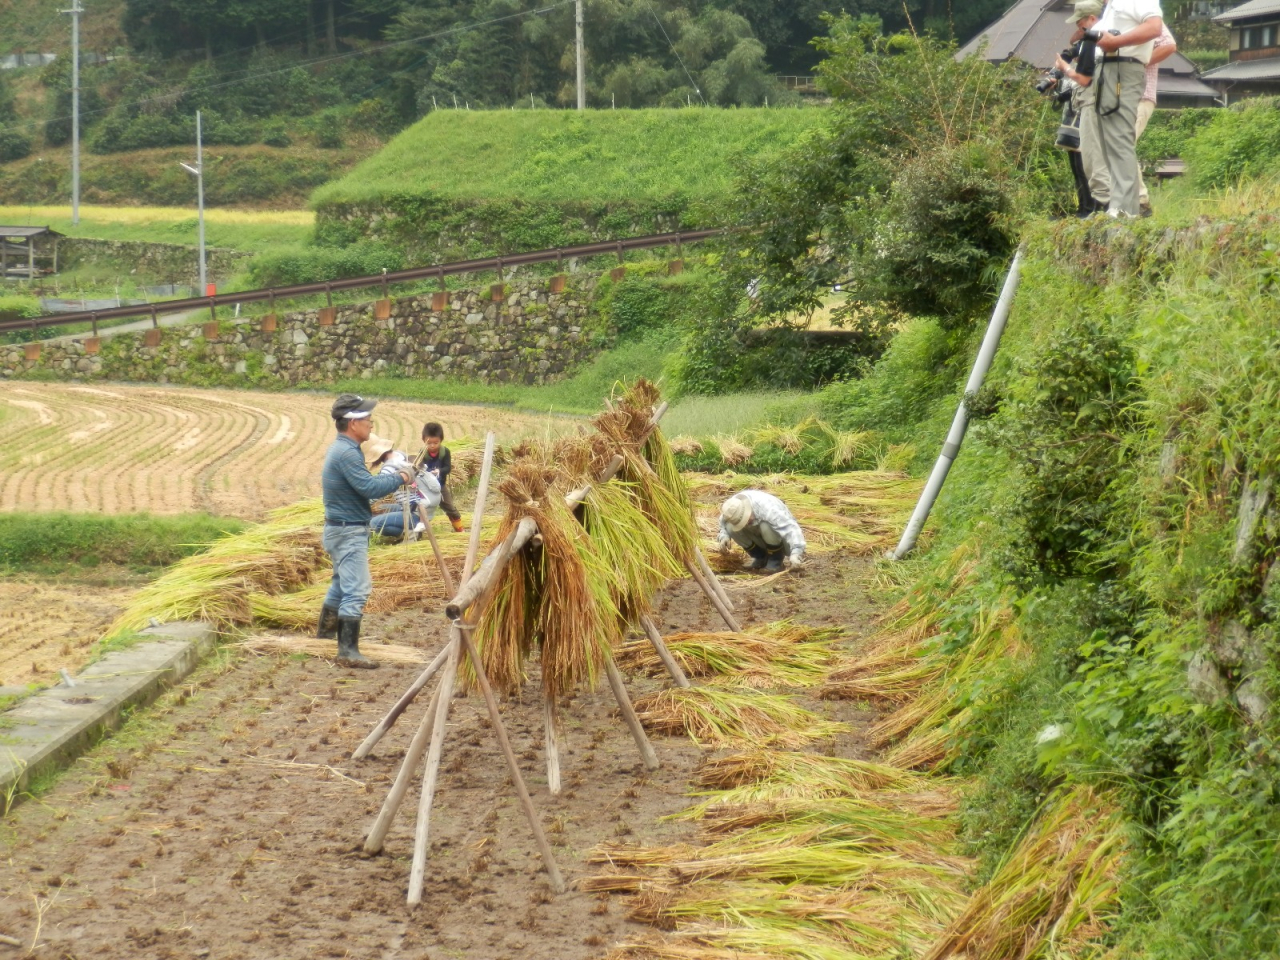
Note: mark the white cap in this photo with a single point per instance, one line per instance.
(736, 512)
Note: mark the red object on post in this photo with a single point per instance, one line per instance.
(210, 289)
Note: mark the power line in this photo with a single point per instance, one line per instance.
(319, 61)
(693, 83)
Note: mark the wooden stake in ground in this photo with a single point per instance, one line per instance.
(551, 724)
(655, 637)
(712, 579)
(495, 715)
(445, 575)
(730, 620)
(402, 704)
(408, 766)
(421, 835)
(619, 688)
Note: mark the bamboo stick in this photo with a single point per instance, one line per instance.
(495, 715)
(730, 620)
(655, 637)
(408, 766)
(712, 579)
(629, 715)
(551, 727)
(421, 835)
(435, 548)
(477, 515)
(387, 722)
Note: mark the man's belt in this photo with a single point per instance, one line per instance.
(1122, 60)
(345, 523)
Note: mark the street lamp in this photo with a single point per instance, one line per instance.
(198, 172)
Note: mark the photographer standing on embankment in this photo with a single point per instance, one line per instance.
(1125, 36)
(1080, 71)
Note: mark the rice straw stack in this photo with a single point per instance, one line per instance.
(746, 659)
(557, 600)
(718, 717)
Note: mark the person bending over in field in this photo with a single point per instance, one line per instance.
(762, 525)
(440, 463)
(423, 494)
(348, 488)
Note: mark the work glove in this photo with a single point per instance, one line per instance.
(797, 561)
(723, 543)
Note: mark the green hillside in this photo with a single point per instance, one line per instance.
(470, 183)
(558, 156)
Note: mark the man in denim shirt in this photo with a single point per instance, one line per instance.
(349, 488)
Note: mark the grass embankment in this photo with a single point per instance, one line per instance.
(261, 176)
(253, 231)
(563, 156)
(61, 543)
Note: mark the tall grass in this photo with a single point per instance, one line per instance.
(559, 155)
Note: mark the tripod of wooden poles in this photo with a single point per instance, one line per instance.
(429, 737)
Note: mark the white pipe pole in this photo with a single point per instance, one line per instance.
(950, 449)
(204, 283)
(75, 12)
(582, 70)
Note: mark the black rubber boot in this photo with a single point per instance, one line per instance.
(349, 654)
(759, 557)
(774, 563)
(327, 629)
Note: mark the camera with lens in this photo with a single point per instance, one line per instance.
(1055, 76)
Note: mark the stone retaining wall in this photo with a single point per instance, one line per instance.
(169, 262)
(517, 333)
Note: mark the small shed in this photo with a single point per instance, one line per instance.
(28, 252)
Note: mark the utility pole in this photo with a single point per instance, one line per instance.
(75, 12)
(582, 67)
(198, 172)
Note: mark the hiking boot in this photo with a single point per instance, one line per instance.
(349, 654)
(327, 628)
(457, 525)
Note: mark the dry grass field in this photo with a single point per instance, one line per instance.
(165, 450)
(46, 626)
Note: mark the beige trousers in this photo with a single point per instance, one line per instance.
(1091, 153)
(1145, 109)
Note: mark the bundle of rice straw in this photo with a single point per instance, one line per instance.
(1058, 886)
(651, 466)
(274, 643)
(718, 716)
(756, 659)
(273, 557)
(557, 599)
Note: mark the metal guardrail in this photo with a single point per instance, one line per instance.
(383, 280)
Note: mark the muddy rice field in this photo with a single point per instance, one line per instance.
(227, 821)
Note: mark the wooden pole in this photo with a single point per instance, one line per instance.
(730, 620)
(655, 637)
(477, 515)
(551, 726)
(629, 714)
(378, 832)
(435, 548)
(491, 569)
(421, 835)
(548, 859)
(712, 579)
(387, 722)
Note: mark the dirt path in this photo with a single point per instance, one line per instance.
(226, 822)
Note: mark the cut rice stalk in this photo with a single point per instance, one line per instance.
(1057, 886)
(722, 717)
(274, 643)
(745, 658)
(812, 775)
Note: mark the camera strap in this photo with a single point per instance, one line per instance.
(1100, 80)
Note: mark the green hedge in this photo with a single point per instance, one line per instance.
(56, 541)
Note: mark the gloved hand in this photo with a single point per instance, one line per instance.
(723, 543)
(797, 561)
(406, 474)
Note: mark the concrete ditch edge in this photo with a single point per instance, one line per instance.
(50, 730)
